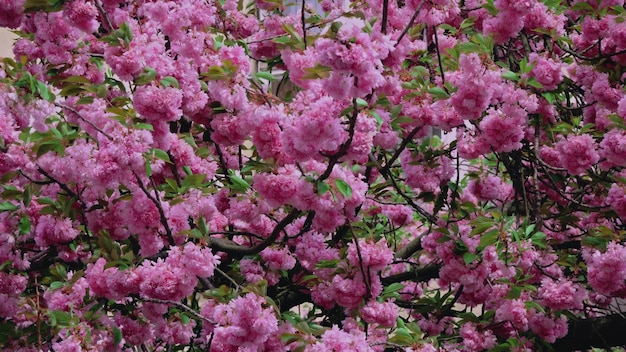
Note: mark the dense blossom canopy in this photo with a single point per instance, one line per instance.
(271, 175)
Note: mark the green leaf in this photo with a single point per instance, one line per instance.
(480, 225)
(148, 75)
(515, 292)
(170, 81)
(193, 181)
(327, 264)
(533, 83)
(322, 187)
(161, 155)
(237, 183)
(534, 305)
(117, 336)
(438, 93)
(344, 188)
(56, 285)
(59, 318)
(148, 167)
(539, 239)
(27, 196)
(8, 206)
(361, 102)
(510, 75)
(468, 257)
(582, 6)
(24, 225)
(317, 71)
(391, 291)
(144, 126)
(265, 75)
(489, 238)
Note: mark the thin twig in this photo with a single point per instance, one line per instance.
(63, 106)
(181, 306)
(403, 145)
(103, 13)
(383, 25)
(406, 29)
(366, 275)
(157, 202)
(343, 149)
(303, 20)
(227, 277)
(443, 77)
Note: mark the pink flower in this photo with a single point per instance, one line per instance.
(621, 107)
(426, 175)
(67, 299)
(491, 188)
(135, 331)
(577, 153)
(562, 294)
(243, 324)
(278, 189)
(163, 281)
(504, 130)
(398, 214)
(475, 340)
(513, 311)
(278, 259)
(375, 256)
(50, 231)
(475, 90)
(383, 314)
(158, 104)
(546, 71)
(606, 271)
(196, 261)
(82, 15)
(547, 327)
(338, 340)
(613, 148)
(11, 13)
(617, 200)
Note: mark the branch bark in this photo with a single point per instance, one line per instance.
(418, 275)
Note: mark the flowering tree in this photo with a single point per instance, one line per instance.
(230, 176)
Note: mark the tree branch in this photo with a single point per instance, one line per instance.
(422, 274)
(237, 250)
(410, 24)
(411, 247)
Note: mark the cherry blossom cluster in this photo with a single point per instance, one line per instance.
(420, 175)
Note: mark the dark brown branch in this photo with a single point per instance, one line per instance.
(443, 76)
(411, 247)
(237, 250)
(410, 24)
(77, 113)
(343, 148)
(383, 25)
(62, 185)
(403, 145)
(409, 200)
(174, 169)
(107, 21)
(422, 274)
(303, 21)
(157, 202)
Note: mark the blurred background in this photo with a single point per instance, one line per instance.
(6, 40)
